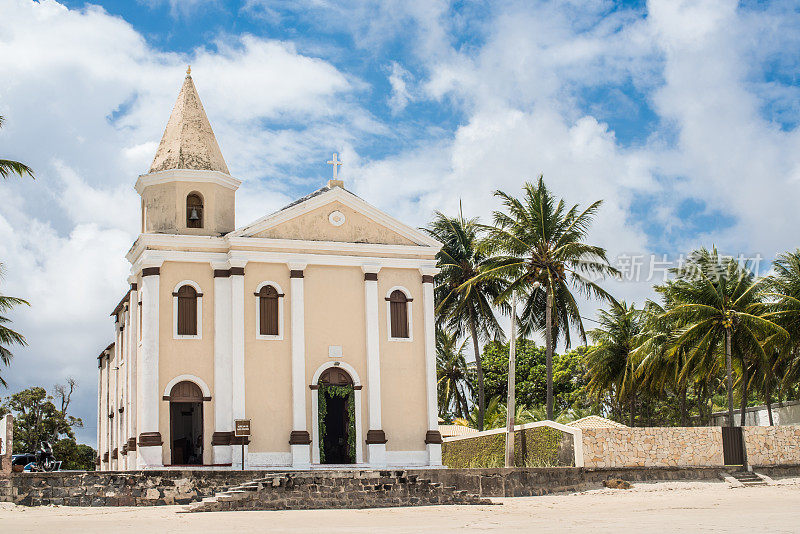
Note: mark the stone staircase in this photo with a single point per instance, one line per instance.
(306, 490)
(748, 478)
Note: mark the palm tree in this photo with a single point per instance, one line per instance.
(465, 308)
(783, 288)
(540, 240)
(454, 387)
(8, 166)
(8, 336)
(718, 302)
(659, 368)
(611, 364)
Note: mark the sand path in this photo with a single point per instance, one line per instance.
(659, 507)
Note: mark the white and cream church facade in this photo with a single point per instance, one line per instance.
(315, 323)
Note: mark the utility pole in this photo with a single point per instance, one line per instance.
(512, 371)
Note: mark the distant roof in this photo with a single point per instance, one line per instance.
(188, 141)
(595, 421)
(449, 431)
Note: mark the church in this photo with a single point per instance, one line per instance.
(305, 338)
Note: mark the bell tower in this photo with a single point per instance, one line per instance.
(188, 189)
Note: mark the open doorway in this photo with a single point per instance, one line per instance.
(186, 424)
(336, 417)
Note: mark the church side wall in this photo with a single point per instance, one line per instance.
(403, 392)
(268, 368)
(335, 315)
(186, 356)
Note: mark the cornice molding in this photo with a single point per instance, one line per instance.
(187, 175)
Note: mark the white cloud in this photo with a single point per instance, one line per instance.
(399, 79)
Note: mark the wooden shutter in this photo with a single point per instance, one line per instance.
(398, 309)
(187, 311)
(268, 311)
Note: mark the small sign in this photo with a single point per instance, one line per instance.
(241, 428)
(334, 351)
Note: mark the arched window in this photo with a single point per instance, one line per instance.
(187, 306)
(399, 314)
(269, 311)
(194, 211)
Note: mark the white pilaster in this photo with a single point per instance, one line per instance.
(107, 420)
(100, 411)
(299, 439)
(434, 449)
(376, 451)
(148, 448)
(133, 337)
(223, 362)
(237, 349)
(115, 400)
(125, 381)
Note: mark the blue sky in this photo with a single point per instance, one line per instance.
(683, 116)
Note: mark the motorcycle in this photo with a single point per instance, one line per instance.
(44, 461)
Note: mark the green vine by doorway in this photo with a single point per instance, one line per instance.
(344, 392)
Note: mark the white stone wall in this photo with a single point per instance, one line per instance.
(652, 447)
(775, 445)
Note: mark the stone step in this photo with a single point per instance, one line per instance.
(333, 489)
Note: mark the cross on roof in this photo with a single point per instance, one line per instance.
(335, 162)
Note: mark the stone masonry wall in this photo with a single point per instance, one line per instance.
(104, 488)
(652, 447)
(775, 445)
(534, 481)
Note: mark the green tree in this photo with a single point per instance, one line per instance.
(464, 304)
(719, 303)
(540, 240)
(74, 455)
(611, 363)
(783, 287)
(8, 337)
(453, 380)
(37, 419)
(8, 167)
(661, 370)
(530, 377)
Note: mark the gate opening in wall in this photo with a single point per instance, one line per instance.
(732, 445)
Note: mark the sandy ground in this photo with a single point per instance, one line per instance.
(673, 506)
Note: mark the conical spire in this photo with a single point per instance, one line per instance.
(188, 141)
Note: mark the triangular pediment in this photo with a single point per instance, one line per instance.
(336, 215)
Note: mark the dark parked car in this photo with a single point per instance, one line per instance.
(23, 459)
